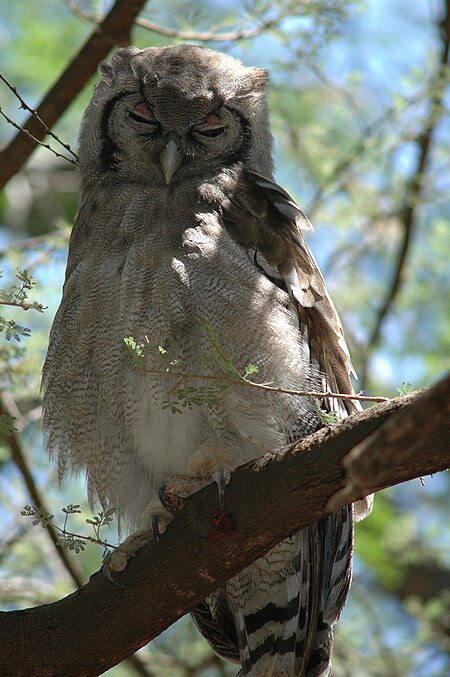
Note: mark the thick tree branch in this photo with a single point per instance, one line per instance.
(265, 501)
(114, 30)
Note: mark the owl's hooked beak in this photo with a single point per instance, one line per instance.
(170, 160)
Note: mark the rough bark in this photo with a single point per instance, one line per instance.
(97, 626)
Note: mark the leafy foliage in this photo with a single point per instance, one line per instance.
(17, 297)
(68, 539)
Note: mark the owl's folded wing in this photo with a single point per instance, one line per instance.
(265, 220)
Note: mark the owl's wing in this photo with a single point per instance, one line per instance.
(215, 620)
(265, 220)
(292, 634)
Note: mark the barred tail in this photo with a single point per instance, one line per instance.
(276, 616)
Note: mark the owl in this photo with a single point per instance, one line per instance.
(184, 242)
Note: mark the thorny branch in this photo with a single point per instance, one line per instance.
(114, 30)
(408, 212)
(232, 375)
(242, 381)
(33, 138)
(25, 106)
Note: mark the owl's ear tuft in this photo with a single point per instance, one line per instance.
(253, 82)
(259, 77)
(106, 71)
(120, 58)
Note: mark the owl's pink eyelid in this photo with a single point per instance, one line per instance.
(143, 113)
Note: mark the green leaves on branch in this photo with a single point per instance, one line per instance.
(17, 297)
(405, 389)
(6, 425)
(184, 394)
(68, 539)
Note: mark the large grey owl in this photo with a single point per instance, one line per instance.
(181, 232)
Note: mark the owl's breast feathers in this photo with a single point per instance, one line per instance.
(264, 219)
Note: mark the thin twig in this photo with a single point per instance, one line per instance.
(200, 36)
(25, 106)
(186, 377)
(25, 306)
(34, 139)
(114, 30)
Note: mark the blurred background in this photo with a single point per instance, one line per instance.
(359, 101)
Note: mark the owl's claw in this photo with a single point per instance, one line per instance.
(155, 529)
(221, 477)
(166, 498)
(178, 487)
(118, 559)
(158, 523)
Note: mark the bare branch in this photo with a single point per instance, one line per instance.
(25, 106)
(203, 36)
(159, 586)
(114, 30)
(33, 138)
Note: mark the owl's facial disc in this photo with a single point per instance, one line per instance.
(172, 156)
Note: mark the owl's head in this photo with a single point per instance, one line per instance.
(172, 114)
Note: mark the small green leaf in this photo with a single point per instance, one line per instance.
(6, 424)
(405, 388)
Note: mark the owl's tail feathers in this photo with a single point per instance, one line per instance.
(276, 616)
(284, 659)
(319, 663)
(288, 636)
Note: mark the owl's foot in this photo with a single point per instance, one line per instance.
(214, 461)
(178, 487)
(222, 477)
(158, 521)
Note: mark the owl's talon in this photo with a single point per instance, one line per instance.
(155, 529)
(178, 487)
(164, 498)
(222, 477)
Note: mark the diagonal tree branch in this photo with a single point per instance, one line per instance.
(266, 501)
(413, 190)
(114, 30)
